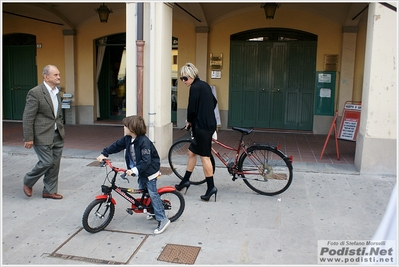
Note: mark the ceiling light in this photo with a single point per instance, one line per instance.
(103, 13)
(270, 9)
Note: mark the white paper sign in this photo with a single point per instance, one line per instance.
(348, 129)
(325, 92)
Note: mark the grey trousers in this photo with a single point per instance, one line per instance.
(48, 165)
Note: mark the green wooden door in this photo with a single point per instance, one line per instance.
(237, 73)
(264, 76)
(272, 84)
(278, 88)
(300, 85)
(251, 94)
(19, 76)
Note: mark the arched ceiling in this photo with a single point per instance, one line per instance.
(73, 15)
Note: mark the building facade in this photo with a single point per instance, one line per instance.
(293, 72)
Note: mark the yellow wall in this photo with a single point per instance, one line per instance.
(49, 35)
(329, 42)
(85, 54)
(52, 51)
(187, 48)
(359, 63)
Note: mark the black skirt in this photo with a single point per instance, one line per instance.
(202, 143)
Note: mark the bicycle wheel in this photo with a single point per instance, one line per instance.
(178, 158)
(266, 170)
(173, 203)
(98, 215)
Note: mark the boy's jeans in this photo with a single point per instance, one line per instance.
(156, 201)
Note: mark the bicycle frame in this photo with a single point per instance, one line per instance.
(241, 149)
(240, 146)
(139, 205)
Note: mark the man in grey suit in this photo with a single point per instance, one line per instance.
(44, 131)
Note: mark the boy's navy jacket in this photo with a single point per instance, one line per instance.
(147, 158)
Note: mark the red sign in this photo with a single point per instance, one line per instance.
(350, 121)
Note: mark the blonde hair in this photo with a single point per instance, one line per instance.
(135, 124)
(189, 70)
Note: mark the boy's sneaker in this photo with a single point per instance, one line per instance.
(162, 226)
(150, 217)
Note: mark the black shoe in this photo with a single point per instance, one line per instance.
(208, 195)
(182, 185)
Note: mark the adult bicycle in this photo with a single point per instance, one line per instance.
(263, 167)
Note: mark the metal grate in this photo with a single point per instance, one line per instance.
(179, 254)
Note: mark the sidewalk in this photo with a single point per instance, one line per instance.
(324, 202)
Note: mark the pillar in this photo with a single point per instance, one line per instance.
(201, 54)
(69, 75)
(347, 66)
(376, 150)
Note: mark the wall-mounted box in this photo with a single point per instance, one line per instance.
(216, 63)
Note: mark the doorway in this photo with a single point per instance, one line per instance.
(19, 73)
(111, 82)
(272, 79)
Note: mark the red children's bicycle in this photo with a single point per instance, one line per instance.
(100, 211)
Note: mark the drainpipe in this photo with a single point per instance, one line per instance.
(140, 58)
(152, 113)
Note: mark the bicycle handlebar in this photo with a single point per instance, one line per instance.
(115, 169)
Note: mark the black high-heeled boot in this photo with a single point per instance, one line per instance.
(209, 193)
(182, 185)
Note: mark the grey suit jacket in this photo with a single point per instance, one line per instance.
(39, 118)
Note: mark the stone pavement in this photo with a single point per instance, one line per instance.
(324, 202)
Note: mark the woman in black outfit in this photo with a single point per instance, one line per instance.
(201, 118)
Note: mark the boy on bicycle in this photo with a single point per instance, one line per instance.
(142, 160)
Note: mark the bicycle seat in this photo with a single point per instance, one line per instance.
(244, 131)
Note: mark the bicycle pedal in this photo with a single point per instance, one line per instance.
(130, 211)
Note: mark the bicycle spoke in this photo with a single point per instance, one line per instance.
(173, 203)
(265, 170)
(98, 215)
(178, 158)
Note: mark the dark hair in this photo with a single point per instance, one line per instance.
(135, 124)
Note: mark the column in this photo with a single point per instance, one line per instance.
(201, 54)
(69, 75)
(131, 58)
(347, 73)
(158, 75)
(376, 142)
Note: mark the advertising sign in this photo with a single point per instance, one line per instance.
(350, 122)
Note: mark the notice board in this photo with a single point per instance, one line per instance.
(350, 121)
(325, 93)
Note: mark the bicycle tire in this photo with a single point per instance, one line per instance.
(173, 203)
(95, 221)
(266, 170)
(178, 158)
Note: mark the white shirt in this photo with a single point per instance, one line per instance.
(54, 99)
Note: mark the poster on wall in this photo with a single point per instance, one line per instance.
(350, 122)
(217, 114)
